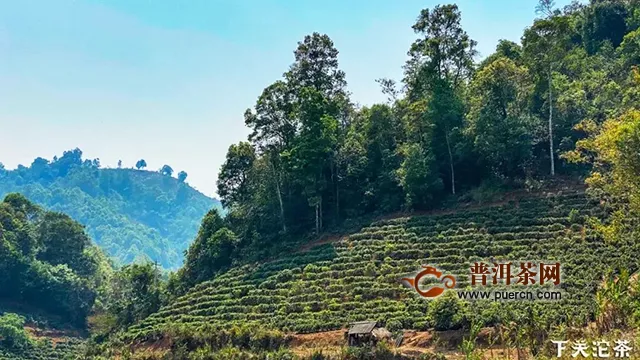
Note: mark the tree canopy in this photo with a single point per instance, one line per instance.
(48, 260)
(314, 159)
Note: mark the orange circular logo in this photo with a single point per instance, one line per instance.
(448, 281)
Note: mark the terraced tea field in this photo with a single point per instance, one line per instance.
(358, 277)
(64, 350)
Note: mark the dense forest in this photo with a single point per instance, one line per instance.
(133, 214)
(56, 277)
(51, 262)
(558, 108)
(453, 128)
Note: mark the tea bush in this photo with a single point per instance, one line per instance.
(358, 277)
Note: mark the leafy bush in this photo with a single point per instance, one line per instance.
(447, 312)
(12, 332)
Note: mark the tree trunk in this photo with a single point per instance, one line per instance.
(317, 220)
(553, 167)
(334, 173)
(284, 225)
(320, 206)
(279, 193)
(453, 175)
(338, 201)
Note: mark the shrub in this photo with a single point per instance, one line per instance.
(447, 312)
(12, 333)
(394, 325)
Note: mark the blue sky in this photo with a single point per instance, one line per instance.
(169, 80)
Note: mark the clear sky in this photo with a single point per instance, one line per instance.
(169, 80)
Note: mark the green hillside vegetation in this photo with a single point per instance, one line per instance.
(57, 285)
(16, 344)
(558, 108)
(132, 214)
(66, 350)
(562, 103)
(49, 266)
(48, 260)
(357, 278)
(314, 160)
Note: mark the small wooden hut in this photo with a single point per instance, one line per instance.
(365, 333)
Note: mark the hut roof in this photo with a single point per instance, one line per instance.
(362, 327)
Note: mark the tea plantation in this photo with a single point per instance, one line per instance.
(358, 277)
(64, 350)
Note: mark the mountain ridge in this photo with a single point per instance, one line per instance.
(132, 214)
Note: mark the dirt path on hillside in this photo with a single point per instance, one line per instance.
(56, 336)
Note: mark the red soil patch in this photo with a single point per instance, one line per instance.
(56, 336)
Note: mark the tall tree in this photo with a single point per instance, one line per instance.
(498, 119)
(381, 130)
(135, 292)
(211, 250)
(313, 151)
(316, 66)
(64, 241)
(544, 45)
(273, 130)
(235, 173)
(321, 97)
(612, 149)
(441, 60)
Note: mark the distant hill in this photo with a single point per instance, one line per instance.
(132, 214)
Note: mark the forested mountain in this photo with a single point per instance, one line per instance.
(452, 126)
(547, 113)
(562, 103)
(132, 214)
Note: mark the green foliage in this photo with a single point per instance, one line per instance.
(141, 164)
(617, 301)
(37, 273)
(64, 349)
(447, 312)
(234, 176)
(468, 346)
(133, 293)
(133, 215)
(208, 255)
(12, 333)
(358, 278)
(166, 170)
(498, 119)
(418, 177)
(314, 160)
(613, 149)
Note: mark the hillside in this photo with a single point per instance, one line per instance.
(131, 214)
(53, 275)
(65, 349)
(358, 277)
